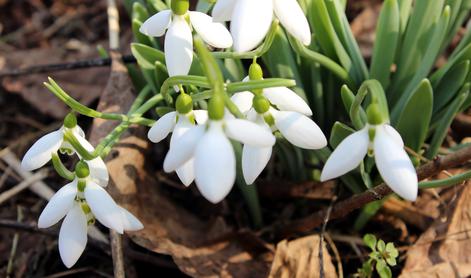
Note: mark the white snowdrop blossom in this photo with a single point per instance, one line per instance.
(391, 159)
(178, 124)
(42, 150)
(214, 158)
(81, 202)
(288, 113)
(179, 40)
(251, 20)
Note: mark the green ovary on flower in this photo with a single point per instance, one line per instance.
(216, 107)
(180, 7)
(81, 170)
(184, 104)
(261, 104)
(70, 121)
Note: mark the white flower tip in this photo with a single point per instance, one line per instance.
(130, 222)
(27, 165)
(306, 40)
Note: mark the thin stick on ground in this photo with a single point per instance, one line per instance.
(14, 244)
(82, 64)
(6, 195)
(345, 207)
(321, 240)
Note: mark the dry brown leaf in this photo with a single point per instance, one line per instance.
(84, 85)
(446, 245)
(200, 248)
(300, 258)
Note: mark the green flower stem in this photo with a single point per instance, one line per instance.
(141, 97)
(70, 137)
(61, 169)
(325, 61)
(77, 106)
(232, 107)
(377, 95)
(259, 84)
(199, 81)
(456, 179)
(262, 49)
(107, 144)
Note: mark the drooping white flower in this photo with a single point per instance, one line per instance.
(251, 19)
(79, 209)
(41, 153)
(290, 117)
(391, 159)
(214, 158)
(179, 40)
(178, 124)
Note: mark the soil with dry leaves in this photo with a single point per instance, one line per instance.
(184, 234)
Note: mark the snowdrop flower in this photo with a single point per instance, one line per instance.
(391, 159)
(41, 152)
(179, 123)
(214, 158)
(81, 202)
(251, 19)
(279, 109)
(178, 22)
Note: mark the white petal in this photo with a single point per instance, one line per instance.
(300, 130)
(40, 153)
(162, 127)
(292, 17)
(223, 10)
(103, 207)
(73, 236)
(287, 100)
(213, 33)
(98, 171)
(183, 148)
(254, 160)
(178, 47)
(186, 172)
(347, 156)
(215, 165)
(394, 135)
(249, 133)
(130, 222)
(58, 206)
(394, 165)
(243, 101)
(250, 23)
(157, 24)
(201, 116)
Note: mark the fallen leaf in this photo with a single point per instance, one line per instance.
(446, 245)
(300, 258)
(85, 85)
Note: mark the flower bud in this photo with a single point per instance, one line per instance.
(216, 107)
(180, 7)
(374, 114)
(184, 104)
(81, 170)
(261, 104)
(70, 121)
(255, 71)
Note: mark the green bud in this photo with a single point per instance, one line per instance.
(255, 71)
(70, 121)
(180, 7)
(216, 107)
(261, 104)
(184, 104)
(81, 170)
(374, 114)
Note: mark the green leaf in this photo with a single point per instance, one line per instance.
(203, 6)
(139, 12)
(140, 37)
(370, 241)
(146, 56)
(392, 251)
(462, 55)
(383, 269)
(450, 84)
(387, 35)
(381, 245)
(366, 213)
(445, 122)
(414, 126)
(339, 132)
(156, 6)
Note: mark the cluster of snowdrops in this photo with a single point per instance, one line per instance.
(200, 142)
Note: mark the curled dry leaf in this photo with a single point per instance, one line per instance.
(300, 258)
(200, 248)
(443, 250)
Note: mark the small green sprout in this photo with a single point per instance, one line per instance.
(382, 257)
